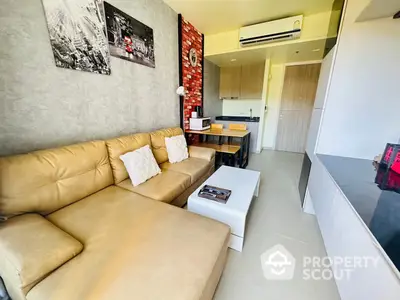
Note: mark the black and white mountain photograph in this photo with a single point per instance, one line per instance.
(128, 38)
(77, 35)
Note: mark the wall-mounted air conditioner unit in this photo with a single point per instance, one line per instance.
(274, 31)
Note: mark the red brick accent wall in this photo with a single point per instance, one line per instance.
(192, 77)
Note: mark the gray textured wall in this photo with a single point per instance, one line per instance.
(43, 106)
(212, 104)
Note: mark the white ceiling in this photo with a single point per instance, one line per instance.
(278, 53)
(213, 16)
(379, 9)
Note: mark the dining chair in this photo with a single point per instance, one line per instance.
(215, 126)
(214, 139)
(237, 126)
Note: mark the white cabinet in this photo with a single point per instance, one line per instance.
(308, 205)
(324, 79)
(313, 132)
(349, 237)
(319, 104)
(346, 236)
(322, 191)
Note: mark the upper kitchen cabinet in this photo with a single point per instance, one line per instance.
(252, 79)
(242, 82)
(229, 84)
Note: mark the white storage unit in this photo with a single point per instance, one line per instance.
(346, 235)
(315, 124)
(313, 131)
(365, 79)
(352, 77)
(319, 104)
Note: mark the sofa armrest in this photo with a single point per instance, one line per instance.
(31, 247)
(203, 153)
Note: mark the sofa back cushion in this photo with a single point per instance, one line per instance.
(45, 181)
(158, 142)
(119, 146)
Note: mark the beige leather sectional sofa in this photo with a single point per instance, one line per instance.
(75, 228)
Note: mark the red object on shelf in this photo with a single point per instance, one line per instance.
(396, 164)
(387, 179)
(391, 157)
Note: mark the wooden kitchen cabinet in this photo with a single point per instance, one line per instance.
(229, 85)
(241, 82)
(252, 79)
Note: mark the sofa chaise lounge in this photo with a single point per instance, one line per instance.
(74, 227)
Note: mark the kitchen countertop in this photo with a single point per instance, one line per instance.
(378, 208)
(237, 119)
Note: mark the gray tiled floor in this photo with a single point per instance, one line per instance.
(275, 218)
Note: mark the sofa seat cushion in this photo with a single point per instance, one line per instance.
(136, 248)
(203, 153)
(30, 248)
(164, 187)
(194, 167)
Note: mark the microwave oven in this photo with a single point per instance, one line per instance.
(199, 123)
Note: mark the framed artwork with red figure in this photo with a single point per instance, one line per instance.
(128, 38)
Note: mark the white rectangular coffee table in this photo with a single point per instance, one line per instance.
(244, 184)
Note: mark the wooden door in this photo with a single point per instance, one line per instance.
(229, 85)
(252, 79)
(298, 96)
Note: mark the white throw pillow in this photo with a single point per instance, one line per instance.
(176, 148)
(140, 164)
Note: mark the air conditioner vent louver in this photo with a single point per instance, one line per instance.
(284, 29)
